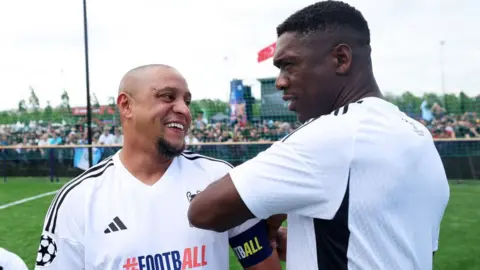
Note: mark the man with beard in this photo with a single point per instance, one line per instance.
(130, 211)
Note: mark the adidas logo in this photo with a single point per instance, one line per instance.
(116, 225)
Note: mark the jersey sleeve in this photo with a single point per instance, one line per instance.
(61, 242)
(249, 242)
(306, 173)
(10, 260)
(436, 236)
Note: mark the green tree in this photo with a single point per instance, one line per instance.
(33, 100)
(65, 105)
(95, 104)
(452, 103)
(48, 112)
(112, 105)
(212, 106)
(6, 118)
(22, 106)
(195, 108)
(256, 110)
(410, 103)
(467, 104)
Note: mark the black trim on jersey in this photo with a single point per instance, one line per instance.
(193, 156)
(90, 170)
(300, 127)
(93, 172)
(332, 237)
(344, 110)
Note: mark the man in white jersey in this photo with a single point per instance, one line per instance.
(362, 183)
(130, 211)
(11, 261)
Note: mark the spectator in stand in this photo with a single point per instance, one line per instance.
(118, 136)
(55, 139)
(200, 121)
(427, 114)
(42, 143)
(106, 138)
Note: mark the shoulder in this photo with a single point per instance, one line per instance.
(339, 125)
(206, 162)
(70, 199)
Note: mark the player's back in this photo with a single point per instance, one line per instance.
(398, 190)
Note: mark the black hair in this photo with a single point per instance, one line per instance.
(326, 16)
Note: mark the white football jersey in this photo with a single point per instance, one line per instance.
(364, 188)
(11, 261)
(107, 219)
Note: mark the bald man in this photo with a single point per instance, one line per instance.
(130, 210)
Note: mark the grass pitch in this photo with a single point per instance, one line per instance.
(21, 224)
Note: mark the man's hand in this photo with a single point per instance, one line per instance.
(282, 243)
(278, 234)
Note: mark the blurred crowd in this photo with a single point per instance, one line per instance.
(440, 123)
(445, 125)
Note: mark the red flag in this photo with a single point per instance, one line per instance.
(266, 53)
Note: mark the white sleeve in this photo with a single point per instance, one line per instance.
(10, 260)
(436, 236)
(306, 173)
(243, 227)
(61, 242)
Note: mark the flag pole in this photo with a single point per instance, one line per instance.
(87, 82)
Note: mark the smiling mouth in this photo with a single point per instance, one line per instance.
(176, 125)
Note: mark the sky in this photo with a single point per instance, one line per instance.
(212, 41)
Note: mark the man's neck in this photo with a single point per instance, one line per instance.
(357, 90)
(148, 167)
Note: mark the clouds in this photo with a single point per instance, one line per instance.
(40, 38)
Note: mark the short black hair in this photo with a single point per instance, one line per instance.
(326, 16)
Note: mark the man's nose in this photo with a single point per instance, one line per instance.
(182, 108)
(281, 83)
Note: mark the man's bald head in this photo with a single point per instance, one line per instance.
(132, 79)
(149, 98)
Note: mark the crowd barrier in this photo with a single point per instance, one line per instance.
(461, 157)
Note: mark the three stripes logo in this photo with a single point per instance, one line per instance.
(115, 225)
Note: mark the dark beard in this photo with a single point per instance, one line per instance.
(167, 150)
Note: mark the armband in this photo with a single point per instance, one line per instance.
(252, 246)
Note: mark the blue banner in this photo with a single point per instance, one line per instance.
(80, 158)
(237, 102)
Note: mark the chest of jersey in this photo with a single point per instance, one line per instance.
(147, 228)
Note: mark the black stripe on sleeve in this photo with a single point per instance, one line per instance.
(192, 156)
(93, 172)
(300, 127)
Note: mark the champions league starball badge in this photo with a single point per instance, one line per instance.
(47, 251)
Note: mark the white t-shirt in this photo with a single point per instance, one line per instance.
(11, 261)
(107, 219)
(363, 187)
(106, 139)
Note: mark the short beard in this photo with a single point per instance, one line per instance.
(167, 150)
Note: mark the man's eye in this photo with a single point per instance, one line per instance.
(168, 97)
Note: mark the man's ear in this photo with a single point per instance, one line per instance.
(342, 54)
(124, 105)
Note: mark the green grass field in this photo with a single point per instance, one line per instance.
(459, 241)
